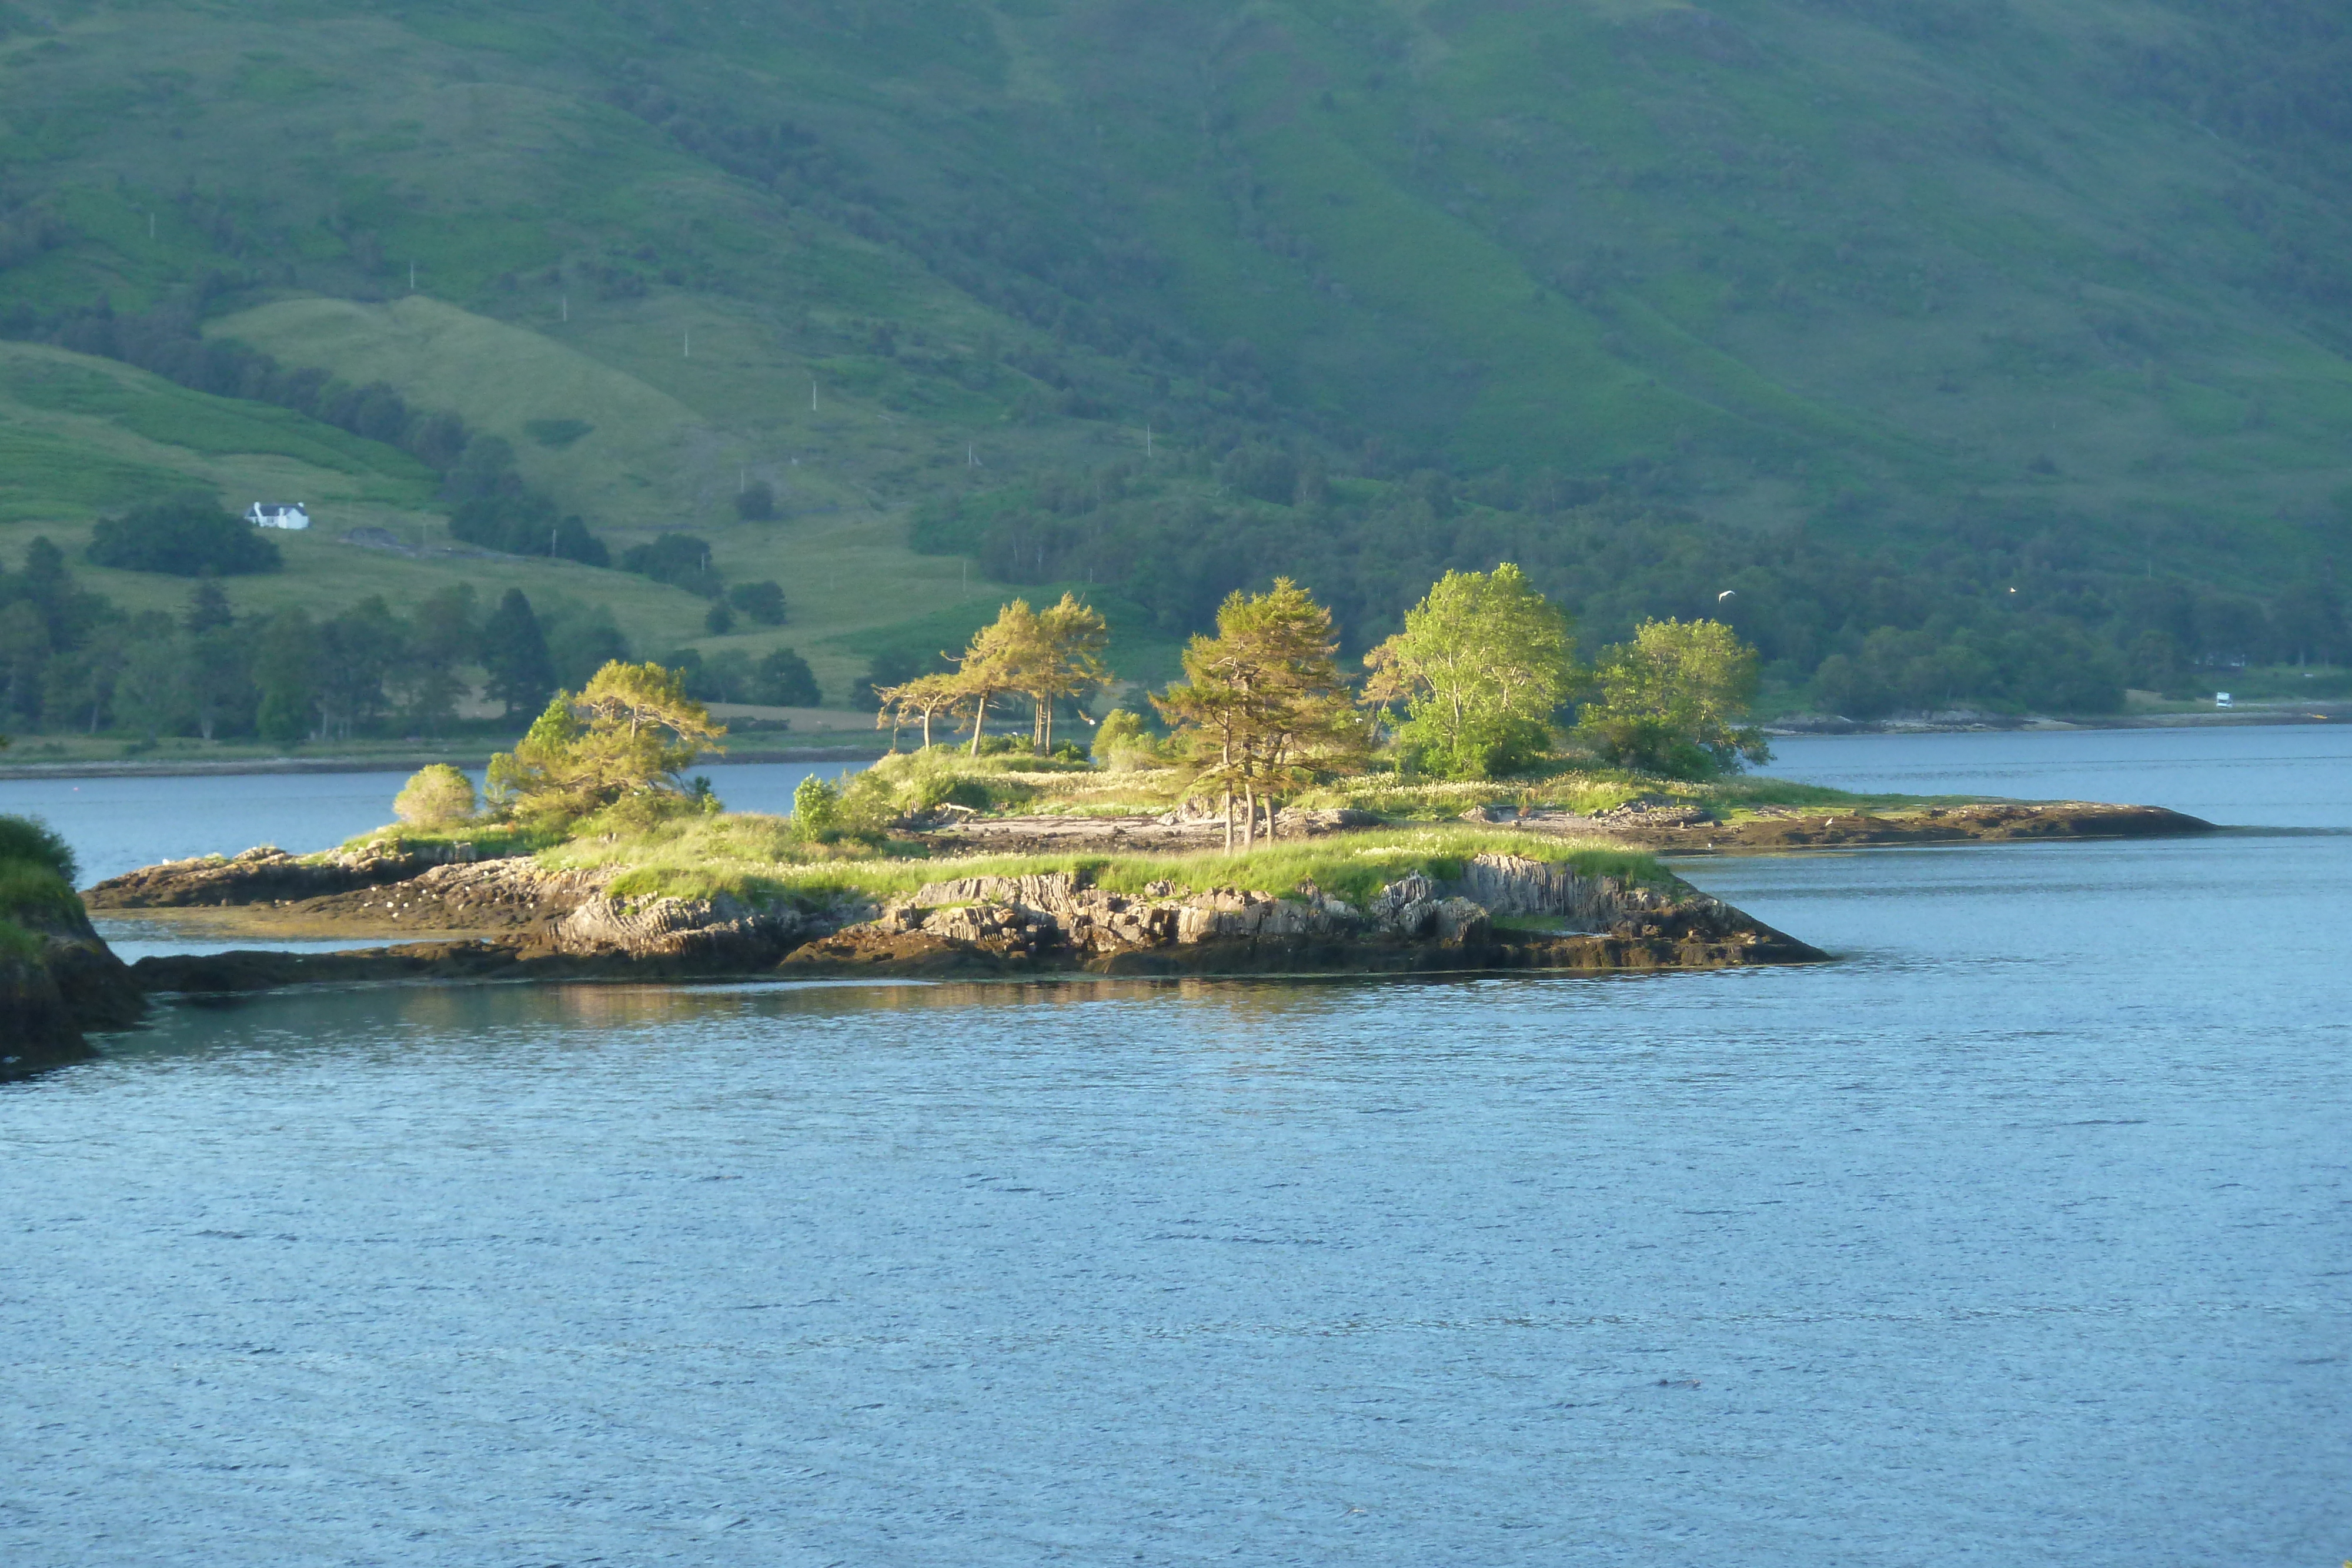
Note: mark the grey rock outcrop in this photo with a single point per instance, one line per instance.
(1035, 916)
(700, 929)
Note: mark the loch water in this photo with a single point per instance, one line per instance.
(2022, 1233)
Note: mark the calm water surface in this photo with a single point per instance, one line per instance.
(121, 824)
(2022, 1234)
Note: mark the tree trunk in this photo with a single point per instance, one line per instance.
(979, 723)
(927, 730)
(1229, 819)
(1249, 816)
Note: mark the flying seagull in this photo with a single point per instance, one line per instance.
(1727, 593)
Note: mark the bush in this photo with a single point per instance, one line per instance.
(435, 797)
(757, 502)
(26, 888)
(762, 603)
(186, 535)
(1121, 742)
(30, 839)
(817, 808)
(720, 619)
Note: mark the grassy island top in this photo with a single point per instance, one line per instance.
(843, 843)
(761, 860)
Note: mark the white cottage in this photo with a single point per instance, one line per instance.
(278, 515)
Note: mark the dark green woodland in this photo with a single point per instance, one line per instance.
(1982, 352)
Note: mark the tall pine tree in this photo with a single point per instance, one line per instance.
(514, 651)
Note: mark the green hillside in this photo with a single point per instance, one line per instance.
(1985, 324)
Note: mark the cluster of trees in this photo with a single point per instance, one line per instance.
(187, 535)
(2007, 608)
(70, 660)
(683, 561)
(1263, 710)
(1485, 674)
(1050, 657)
(778, 678)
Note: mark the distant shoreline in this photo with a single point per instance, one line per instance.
(2219, 718)
(174, 768)
(168, 768)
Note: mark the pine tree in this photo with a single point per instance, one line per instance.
(1263, 710)
(514, 652)
(208, 608)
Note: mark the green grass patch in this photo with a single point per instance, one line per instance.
(28, 888)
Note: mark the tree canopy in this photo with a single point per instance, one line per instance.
(1263, 710)
(1674, 701)
(1482, 664)
(630, 731)
(184, 535)
(1049, 657)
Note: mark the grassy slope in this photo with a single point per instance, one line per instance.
(1809, 265)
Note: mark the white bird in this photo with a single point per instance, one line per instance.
(1727, 593)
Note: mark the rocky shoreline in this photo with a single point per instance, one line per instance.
(455, 917)
(1503, 912)
(1662, 827)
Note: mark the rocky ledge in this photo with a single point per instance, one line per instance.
(72, 983)
(1504, 912)
(266, 875)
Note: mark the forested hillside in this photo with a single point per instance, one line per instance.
(1981, 350)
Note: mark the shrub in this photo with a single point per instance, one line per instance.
(30, 839)
(817, 808)
(762, 603)
(720, 619)
(1121, 742)
(757, 502)
(435, 797)
(186, 535)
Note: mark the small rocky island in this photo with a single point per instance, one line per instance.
(598, 859)
(514, 918)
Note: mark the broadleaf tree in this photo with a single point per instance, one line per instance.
(1674, 701)
(1483, 664)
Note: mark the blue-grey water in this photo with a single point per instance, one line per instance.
(2022, 1234)
(122, 823)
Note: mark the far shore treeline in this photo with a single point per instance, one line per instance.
(72, 663)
